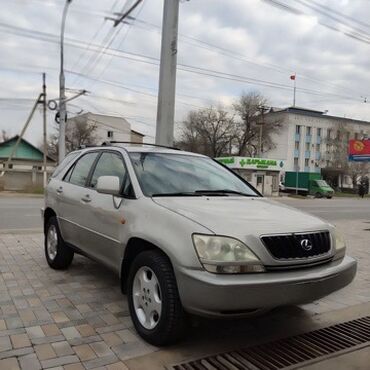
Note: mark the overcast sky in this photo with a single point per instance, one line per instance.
(254, 45)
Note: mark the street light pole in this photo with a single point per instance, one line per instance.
(167, 74)
(62, 104)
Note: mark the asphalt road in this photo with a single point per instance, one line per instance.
(20, 212)
(23, 212)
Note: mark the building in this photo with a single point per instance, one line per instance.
(25, 171)
(306, 140)
(263, 174)
(109, 128)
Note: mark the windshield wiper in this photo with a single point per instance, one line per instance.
(222, 192)
(179, 194)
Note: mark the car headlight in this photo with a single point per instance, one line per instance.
(340, 244)
(224, 255)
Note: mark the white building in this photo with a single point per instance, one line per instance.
(302, 141)
(109, 128)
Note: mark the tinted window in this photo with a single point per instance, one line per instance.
(174, 173)
(66, 161)
(111, 164)
(79, 173)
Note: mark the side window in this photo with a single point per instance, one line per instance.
(111, 164)
(66, 161)
(80, 171)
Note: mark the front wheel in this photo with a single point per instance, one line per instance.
(153, 298)
(58, 255)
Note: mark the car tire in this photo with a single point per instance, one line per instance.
(58, 255)
(152, 287)
(318, 195)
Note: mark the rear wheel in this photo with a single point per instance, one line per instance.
(318, 195)
(154, 300)
(58, 255)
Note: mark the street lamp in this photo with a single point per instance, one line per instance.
(62, 104)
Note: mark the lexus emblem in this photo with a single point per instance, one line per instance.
(306, 244)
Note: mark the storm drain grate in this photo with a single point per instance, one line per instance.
(288, 352)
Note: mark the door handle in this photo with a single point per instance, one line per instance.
(86, 198)
(60, 190)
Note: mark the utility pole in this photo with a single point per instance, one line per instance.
(62, 104)
(167, 74)
(45, 178)
(262, 110)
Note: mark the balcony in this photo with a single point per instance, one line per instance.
(318, 140)
(317, 155)
(307, 154)
(296, 153)
(308, 138)
(297, 137)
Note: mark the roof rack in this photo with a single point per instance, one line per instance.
(105, 143)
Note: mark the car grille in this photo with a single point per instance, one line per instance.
(294, 246)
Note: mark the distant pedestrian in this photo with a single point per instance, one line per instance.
(361, 189)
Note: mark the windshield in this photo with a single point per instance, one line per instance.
(321, 183)
(180, 174)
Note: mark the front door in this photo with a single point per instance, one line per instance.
(260, 183)
(106, 218)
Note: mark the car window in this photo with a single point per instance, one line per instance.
(111, 164)
(66, 161)
(80, 171)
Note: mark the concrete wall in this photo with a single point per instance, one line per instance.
(22, 180)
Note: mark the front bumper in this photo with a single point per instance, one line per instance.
(209, 294)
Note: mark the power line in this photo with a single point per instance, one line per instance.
(121, 41)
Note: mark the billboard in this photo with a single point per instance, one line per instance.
(359, 150)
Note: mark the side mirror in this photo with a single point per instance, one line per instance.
(108, 185)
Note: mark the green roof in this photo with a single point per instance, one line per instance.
(25, 150)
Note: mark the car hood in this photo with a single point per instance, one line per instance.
(240, 216)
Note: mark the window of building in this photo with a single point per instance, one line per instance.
(295, 163)
(297, 129)
(110, 134)
(329, 133)
(356, 135)
(328, 163)
(339, 135)
(296, 146)
(319, 132)
(318, 147)
(306, 162)
(308, 130)
(307, 146)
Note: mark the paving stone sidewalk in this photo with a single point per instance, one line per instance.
(72, 320)
(78, 319)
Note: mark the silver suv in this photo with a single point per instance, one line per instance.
(187, 235)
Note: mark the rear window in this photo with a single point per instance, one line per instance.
(65, 162)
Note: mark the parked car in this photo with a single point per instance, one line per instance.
(187, 235)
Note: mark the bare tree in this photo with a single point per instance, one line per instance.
(250, 109)
(208, 131)
(78, 132)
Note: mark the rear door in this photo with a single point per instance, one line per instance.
(73, 197)
(106, 219)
